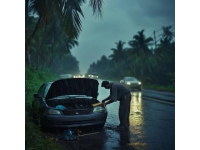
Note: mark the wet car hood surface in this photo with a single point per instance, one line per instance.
(73, 86)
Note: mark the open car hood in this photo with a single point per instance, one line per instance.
(73, 86)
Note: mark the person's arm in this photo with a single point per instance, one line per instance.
(106, 99)
(109, 102)
(113, 96)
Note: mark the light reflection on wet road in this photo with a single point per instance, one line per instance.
(152, 125)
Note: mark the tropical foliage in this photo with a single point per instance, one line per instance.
(153, 66)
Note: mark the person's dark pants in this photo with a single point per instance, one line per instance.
(124, 110)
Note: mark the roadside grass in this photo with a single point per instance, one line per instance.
(34, 137)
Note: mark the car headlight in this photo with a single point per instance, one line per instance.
(128, 83)
(52, 112)
(139, 83)
(97, 76)
(99, 109)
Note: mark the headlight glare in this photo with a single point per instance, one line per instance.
(139, 83)
(128, 83)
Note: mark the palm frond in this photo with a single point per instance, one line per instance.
(148, 40)
(72, 20)
(97, 7)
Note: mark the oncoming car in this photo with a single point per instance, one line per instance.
(131, 83)
(93, 76)
(69, 103)
(79, 76)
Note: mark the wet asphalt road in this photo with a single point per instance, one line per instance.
(152, 127)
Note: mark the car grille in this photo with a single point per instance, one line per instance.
(77, 122)
(77, 112)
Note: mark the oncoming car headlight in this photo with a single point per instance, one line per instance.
(139, 83)
(52, 112)
(99, 109)
(128, 83)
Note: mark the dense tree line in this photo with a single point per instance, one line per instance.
(155, 65)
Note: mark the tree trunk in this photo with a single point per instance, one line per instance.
(26, 14)
(28, 41)
(27, 54)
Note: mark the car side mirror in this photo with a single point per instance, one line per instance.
(36, 95)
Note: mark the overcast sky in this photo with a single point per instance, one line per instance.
(121, 20)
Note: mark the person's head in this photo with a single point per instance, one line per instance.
(105, 84)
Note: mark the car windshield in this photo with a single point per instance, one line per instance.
(130, 79)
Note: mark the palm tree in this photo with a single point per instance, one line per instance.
(165, 42)
(141, 43)
(118, 52)
(167, 32)
(47, 46)
(28, 29)
(67, 11)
